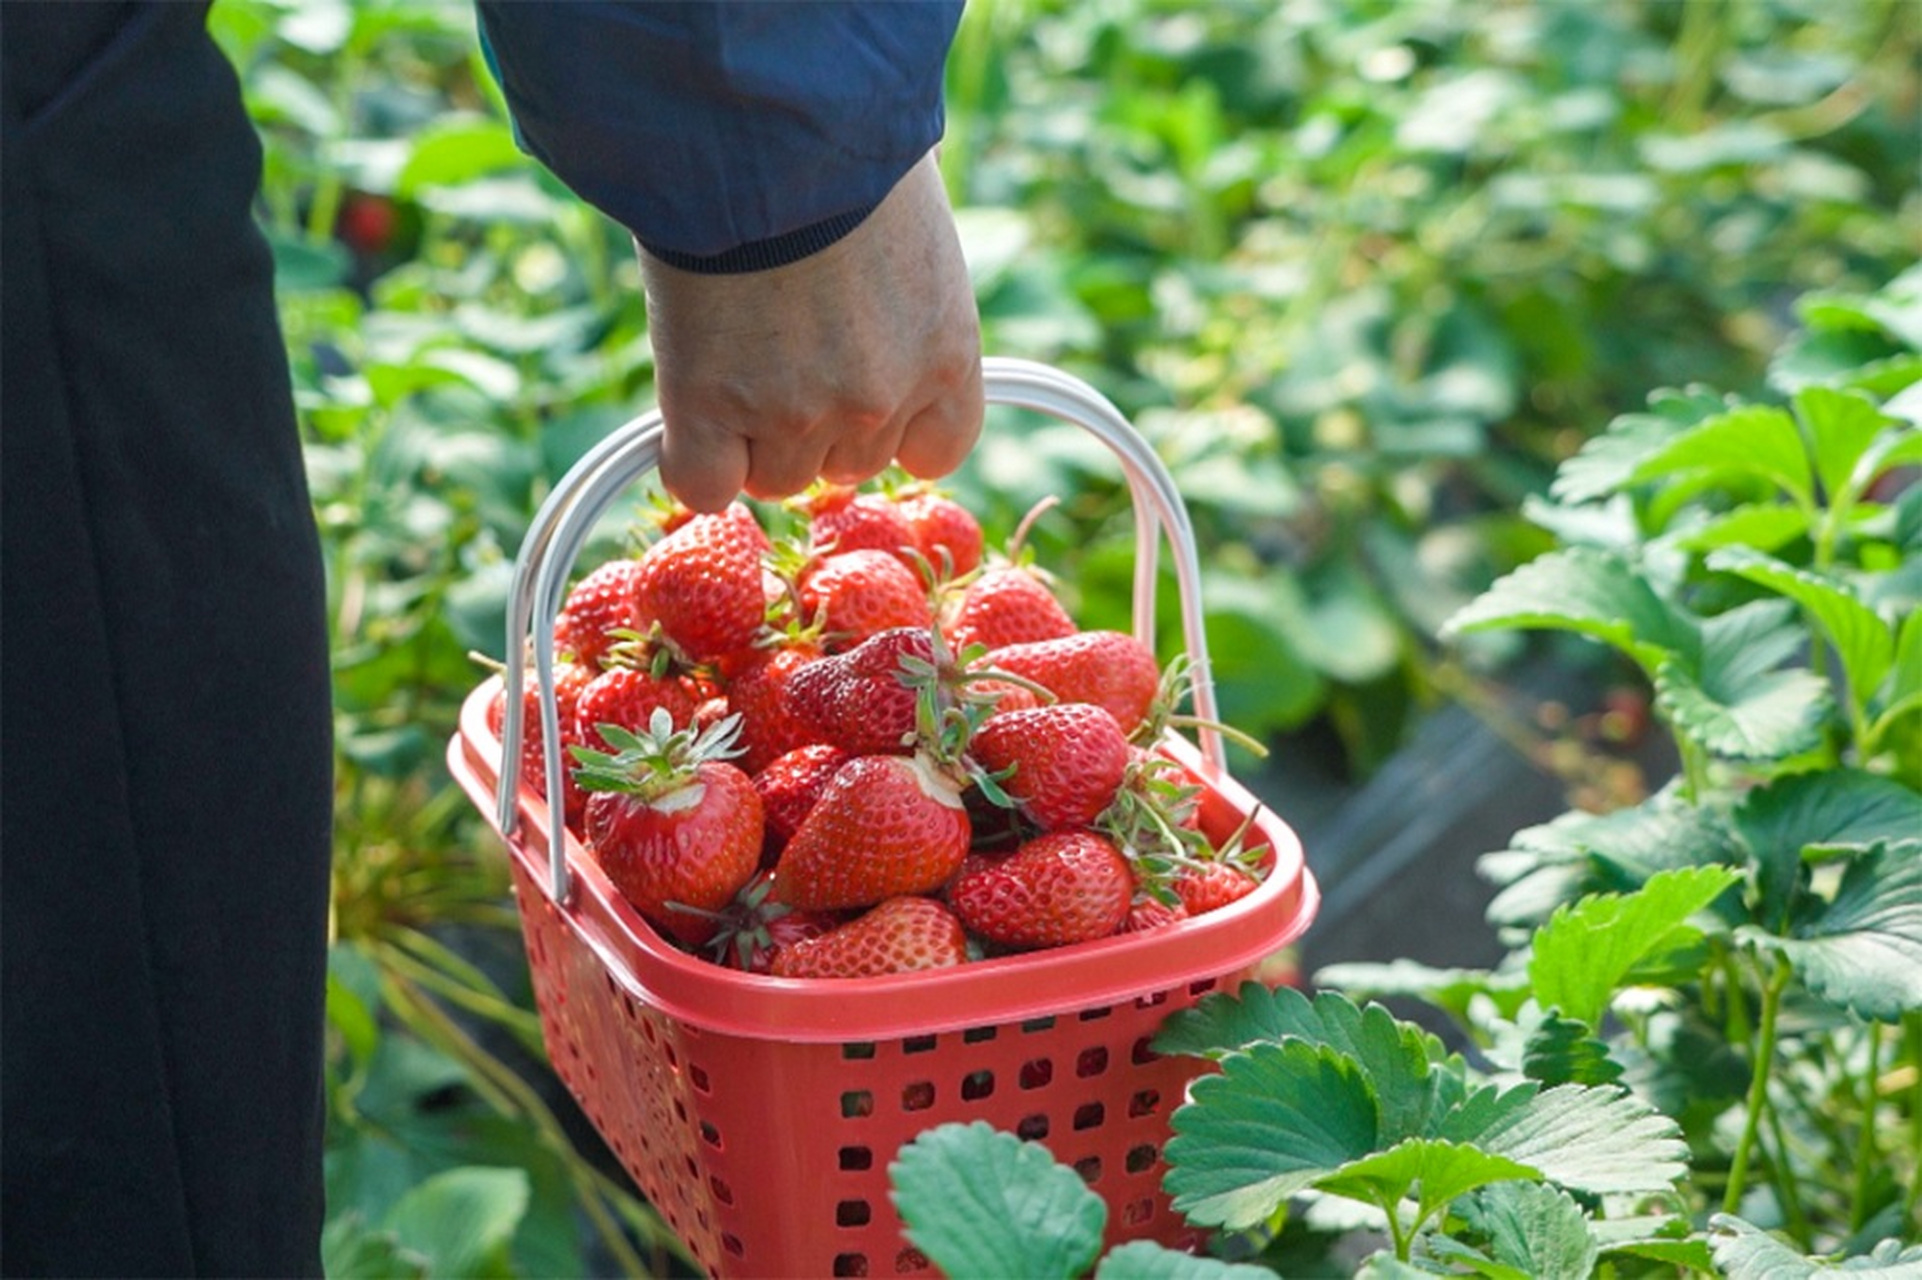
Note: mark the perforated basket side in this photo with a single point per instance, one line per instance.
(770, 1158)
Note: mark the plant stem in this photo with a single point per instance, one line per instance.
(1761, 1053)
(1785, 1188)
(1403, 1239)
(1865, 1152)
(1913, 1033)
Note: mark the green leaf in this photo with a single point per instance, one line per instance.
(1587, 948)
(351, 1250)
(1537, 1229)
(1450, 990)
(462, 1220)
(1561, 1051)
(1765, 526)
(1841, 426)
(1863, 950)
(1757, 440)
(1864, 641)
(1604, 463)
(1146, 1260)
(1434, 1171)
(1590, 592)
(1278, 1118)
(1765, 718)
(1834, 807)
(1596, 1139)
(1746, 1252)
(1393, 1056)
(456, 151)
(979, 1202)
(1686, 1255)
(350, 1016)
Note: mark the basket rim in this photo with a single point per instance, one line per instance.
(999, 991)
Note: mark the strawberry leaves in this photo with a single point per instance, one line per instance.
(1321, 1095)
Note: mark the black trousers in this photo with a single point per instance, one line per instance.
(164, 702)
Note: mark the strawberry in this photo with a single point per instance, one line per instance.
(1058, 888)
(754, 928)
(900, 935)
(570, 682)
(758, 691)
(857, 594)
(945, 533)
(861, 699)
(842, 519)
(1063, 762)
(676, 828)
(701, 585)
(628, 697)
(597, 610)
(1003, 607)
(1146, 913)
(884, 826)
(1212, 886)
(789, 788)
(1108, 668)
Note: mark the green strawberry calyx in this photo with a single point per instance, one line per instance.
(658, 764)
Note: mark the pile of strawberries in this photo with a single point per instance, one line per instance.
(863, 747)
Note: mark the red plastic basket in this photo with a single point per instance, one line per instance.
(759, 1114)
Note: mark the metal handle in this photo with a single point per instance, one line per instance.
(561, 528)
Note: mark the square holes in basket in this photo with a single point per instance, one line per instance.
(685, 1110)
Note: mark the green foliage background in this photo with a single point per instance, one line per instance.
(1365, 272)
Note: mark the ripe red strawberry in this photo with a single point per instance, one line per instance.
(701, 585)
(1108, 668)
(676, 828)
(842, 519)
(758, 691)
(859, 700)
(900, 935)
(1058, 888)
(754, 928)
(1212, 886)
(1066, 761)
(858, 594)
(628, 697)
(789, 786)
(885, 826)
(942, 525)
(570, 681)
(600, 605)
(1146, 913)
(1006, 606)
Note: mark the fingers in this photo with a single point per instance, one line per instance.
(938, 438)
(703, 464)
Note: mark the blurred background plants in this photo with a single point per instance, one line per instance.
(1366, 272)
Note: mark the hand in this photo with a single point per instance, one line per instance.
(865, 353)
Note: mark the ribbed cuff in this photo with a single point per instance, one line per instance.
(764, 255)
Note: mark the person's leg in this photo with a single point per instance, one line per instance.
(164, 711)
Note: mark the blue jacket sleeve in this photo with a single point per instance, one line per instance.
(725, 136)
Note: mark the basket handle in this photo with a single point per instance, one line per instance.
(562, 526)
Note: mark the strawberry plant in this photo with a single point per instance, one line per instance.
(1704, 1051)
